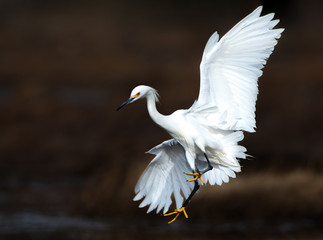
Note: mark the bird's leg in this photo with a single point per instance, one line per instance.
(196, 187)
(182, 209)
(209, 167)
(198, 174)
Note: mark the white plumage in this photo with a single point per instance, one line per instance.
(213, 125)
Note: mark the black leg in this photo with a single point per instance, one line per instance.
(209, 167)
(196, 187)
(182, 209)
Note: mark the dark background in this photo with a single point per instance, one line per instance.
(69, 161)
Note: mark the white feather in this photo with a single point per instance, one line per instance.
(231, 67)
(163, 177)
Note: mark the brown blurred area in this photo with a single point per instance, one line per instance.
(69, 162)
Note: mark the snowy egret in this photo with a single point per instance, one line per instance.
(205, 137)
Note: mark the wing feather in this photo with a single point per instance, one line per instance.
(163, 177)
(230, 69)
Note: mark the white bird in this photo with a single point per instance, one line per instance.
(205, 137)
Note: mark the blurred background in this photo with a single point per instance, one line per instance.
(69, 162)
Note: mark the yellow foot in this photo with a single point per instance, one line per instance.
(177, 212)
(197, 175)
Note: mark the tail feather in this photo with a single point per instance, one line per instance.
(224, 159)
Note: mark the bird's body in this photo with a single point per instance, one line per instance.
(205, 137)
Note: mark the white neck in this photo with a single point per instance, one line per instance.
(154, 114)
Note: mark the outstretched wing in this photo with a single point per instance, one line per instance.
(163, 177)
(231, 67)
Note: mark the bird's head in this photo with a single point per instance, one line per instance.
(139, 92)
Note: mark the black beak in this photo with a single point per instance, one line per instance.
(125, 103)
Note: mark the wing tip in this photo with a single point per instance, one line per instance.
(259, 8)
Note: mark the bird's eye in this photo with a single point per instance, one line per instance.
(138, 94)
